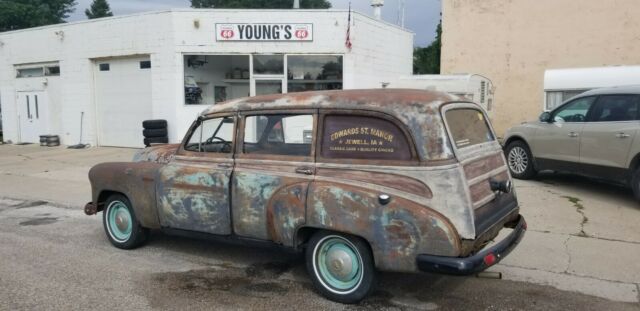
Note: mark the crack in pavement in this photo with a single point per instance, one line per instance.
(580, 209)
(566, 248)
(568, 274)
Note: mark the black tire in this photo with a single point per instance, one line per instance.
(365, 277)
(154, 124)
(150, 133)
(635, 183)
(156, 140)
(520, 160)
(138, 235)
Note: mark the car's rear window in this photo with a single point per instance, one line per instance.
(468, 127)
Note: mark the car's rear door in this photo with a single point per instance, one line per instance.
(608, 133)
(274, 167)
(194, 187)
(557, 144)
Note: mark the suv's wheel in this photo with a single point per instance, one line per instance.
(340, 266)
(121, 225)
(519, 160)
(635, 183)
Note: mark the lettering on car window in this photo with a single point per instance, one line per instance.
(372, 138)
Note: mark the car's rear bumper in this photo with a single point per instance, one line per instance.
(478, 262)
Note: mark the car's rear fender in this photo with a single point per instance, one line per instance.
(396, 231)
(134, 180)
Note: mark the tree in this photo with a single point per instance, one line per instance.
(19, 14)
(99, 8)
(426, 60)
(259, 4)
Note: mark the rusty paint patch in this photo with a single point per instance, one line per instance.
(194, 198)
(481, 166)
(158, 154)
(397, 232)
(394, 181)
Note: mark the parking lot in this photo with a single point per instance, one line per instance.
(581, 252)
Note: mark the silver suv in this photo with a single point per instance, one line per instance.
(593, 134)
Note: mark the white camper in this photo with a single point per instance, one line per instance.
(475, 87)
(562, 84)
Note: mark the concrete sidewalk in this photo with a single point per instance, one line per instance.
(583, 236)
(54, 174)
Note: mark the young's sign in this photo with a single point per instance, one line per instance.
(264, 32)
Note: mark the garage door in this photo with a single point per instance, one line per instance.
(123, 96)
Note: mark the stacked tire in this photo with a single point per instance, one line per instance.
(155, 132)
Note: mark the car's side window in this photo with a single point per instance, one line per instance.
(363, 137)
(575, 111)
(278, 134)
(610, 108)
(212, 135)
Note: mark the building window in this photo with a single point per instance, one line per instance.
(104, 67)
(268, 64)
(145, 64)
(30, 72)
(314, 72)
(38, 70)
(210, 79)
(52, 71)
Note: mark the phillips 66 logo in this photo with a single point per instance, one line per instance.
(301, 33)
(226, 33)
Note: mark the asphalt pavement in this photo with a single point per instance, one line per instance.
(580, 252)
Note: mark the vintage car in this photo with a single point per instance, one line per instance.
(360, 180)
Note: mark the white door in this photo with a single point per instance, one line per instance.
(32, 115)
(123, 100)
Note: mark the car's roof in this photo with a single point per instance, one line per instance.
(626, 89)
(386, 100)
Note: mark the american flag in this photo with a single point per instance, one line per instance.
(347, 42)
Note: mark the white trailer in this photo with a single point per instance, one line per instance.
(476, 88)
(562, 84)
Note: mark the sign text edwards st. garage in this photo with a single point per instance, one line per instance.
(264, 32)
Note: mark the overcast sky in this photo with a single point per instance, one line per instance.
(421, 16)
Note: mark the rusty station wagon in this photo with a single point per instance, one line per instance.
(361, 180)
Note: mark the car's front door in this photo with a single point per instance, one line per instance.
(557, 143)
(274, 167)
(194, 187)
(610, 130)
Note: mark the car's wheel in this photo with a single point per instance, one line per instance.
(340, 266)
(519, 160)
(635, 183)
(121, 225)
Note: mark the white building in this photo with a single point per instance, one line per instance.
(116, 72)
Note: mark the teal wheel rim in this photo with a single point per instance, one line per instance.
(119, 221)
(338, 264)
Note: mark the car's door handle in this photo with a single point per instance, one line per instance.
(304, 170)
(573, 134)
(622, 135)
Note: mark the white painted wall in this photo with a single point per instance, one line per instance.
(380, 53)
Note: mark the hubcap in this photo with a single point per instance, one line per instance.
(338, 264)
(119, 223)
(518, 160)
